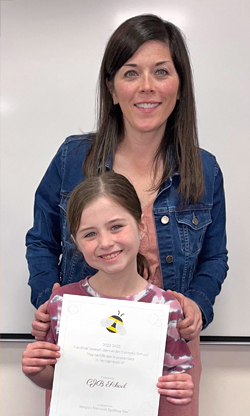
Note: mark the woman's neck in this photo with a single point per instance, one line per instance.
(135, 160)
(140, 147)
(117, 286)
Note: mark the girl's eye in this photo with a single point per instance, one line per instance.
(116, 227)
(130, 74)
(162, 72)
(89, 235)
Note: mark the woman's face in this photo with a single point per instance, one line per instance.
(146, 88)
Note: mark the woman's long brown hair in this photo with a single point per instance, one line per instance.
(179, 148)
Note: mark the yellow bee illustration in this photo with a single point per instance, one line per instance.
(114, 324)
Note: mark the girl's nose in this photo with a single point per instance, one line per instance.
(105, 240)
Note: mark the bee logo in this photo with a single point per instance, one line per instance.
(114, 324)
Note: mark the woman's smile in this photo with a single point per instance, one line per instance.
(146, 88)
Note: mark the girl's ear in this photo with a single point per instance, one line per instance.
(75, 243)
(142, 227)
(73, 239)
(111, 89)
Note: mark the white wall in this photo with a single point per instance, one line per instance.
(225, 382)
(51, 52)
(48, 70)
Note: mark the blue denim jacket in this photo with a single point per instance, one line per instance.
(191, 241)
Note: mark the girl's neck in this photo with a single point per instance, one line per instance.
(116, 286)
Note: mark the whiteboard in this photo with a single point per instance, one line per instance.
(51, 54)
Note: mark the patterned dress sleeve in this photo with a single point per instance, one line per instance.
(178, 358)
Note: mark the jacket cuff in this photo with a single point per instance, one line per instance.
(42, 297)
(204, 304)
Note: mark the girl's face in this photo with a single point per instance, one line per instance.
(109, 237)
(146, 88)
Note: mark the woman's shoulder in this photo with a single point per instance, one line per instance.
(207, 156)
(78, 140)
(73, 151)
(209, 164)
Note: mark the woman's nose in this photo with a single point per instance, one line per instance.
(147, 83)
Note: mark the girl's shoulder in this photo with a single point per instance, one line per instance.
(161, 296)
(76, 288)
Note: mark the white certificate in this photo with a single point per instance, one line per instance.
(112, 354)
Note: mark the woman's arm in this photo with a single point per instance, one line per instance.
(41, 323)
(191, 325)
(43, 241)
(37, 363)
(211, 268)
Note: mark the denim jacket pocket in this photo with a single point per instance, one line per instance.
(192, 225)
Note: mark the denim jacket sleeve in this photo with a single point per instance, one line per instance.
(52, 257)
(211, 266)
(43, 241)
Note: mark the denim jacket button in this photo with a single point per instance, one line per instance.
(169, 259)
(164, 219)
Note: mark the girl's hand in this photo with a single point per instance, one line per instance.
(178, 388)
(41, 323)
(37, 356)
(191, 325)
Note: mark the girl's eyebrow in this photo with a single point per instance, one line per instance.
(84, 229)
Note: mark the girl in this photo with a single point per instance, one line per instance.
(106, 223)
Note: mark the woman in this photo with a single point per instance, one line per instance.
(147, 132)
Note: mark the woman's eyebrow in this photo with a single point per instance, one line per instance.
(157, 63)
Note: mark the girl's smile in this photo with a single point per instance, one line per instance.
(109, 238)
(110, 256)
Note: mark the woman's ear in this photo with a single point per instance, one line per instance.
(110, 86)
(142, 227)
(178, 93)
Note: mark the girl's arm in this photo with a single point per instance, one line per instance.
(178, 388)
(37, 363)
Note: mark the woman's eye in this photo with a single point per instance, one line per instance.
(130, 74)
(161, 72)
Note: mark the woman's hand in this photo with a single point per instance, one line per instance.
(37, 356)
(41, 323)
(191, 325)
(178, 388)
